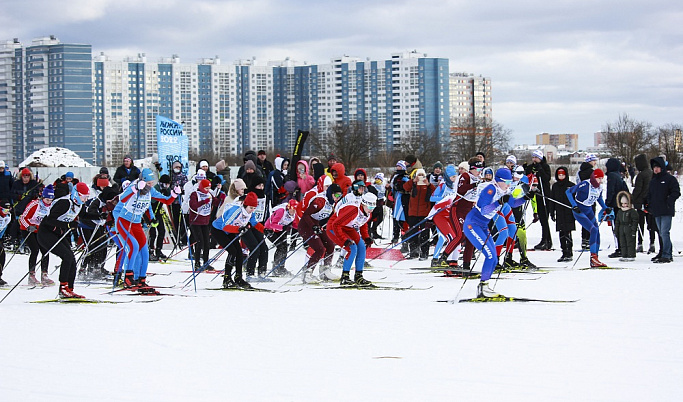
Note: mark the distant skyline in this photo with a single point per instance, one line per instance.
(559, 67)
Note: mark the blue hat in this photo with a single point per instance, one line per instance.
(503, 174)
(450, 171)
(147, 175)
(49, 191)
(69, 174)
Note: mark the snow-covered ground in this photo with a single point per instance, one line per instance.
(620, 342)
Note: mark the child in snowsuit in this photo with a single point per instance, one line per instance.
(626, 226)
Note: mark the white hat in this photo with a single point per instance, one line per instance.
(201, 174)
(511, 158)
(464, 165)
(203, 164)
(591, 157)
(369, 200)
(2, 164)
(537, 154)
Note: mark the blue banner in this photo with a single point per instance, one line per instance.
(172, 145)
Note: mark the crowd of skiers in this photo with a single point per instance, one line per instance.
(457, 209)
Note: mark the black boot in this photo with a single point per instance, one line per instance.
(509, 262)
(153, 256)
(615, 254)
(241, 282)
(345, 279)
(360, 281)
(161, 256)
(228, 283)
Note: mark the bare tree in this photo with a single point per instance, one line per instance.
(470, 136)
(353, 142)
(426, 146)
(627, 137)
(670, 143)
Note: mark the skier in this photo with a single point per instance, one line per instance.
(92, 220)
(236, 219)
(157, 227)
(133, 203)
(29, 221)
(582, 197)
(52, 234)
(519, 179)
(278, 225)
(348, 228)
(310, 228)
(201, 201)
(5, 219)
(442, 214)
(466, 188)
(476, 223)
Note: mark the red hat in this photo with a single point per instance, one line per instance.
(597, 173)
(82, 188)
(293, 204)
(204, 183)
(26, 171)
(251, 200)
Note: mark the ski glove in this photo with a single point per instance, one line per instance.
(177, 191)
(535, 218)
(576, 209)
(348, 243)
(368, 242)
(31, 228)
(317, 230)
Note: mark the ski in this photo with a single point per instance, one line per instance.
(92, 301)
(372, 287)
(545, 249)
(506, 299)
(521, 271)
(237, 289)
(590, 268)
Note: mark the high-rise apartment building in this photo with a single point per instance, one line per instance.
(48, 99)
(469, 98)
(570, 142)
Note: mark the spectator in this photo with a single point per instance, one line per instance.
(5, 182)
(661, 203)
(126, 172)
(264, 164)
(640, 190)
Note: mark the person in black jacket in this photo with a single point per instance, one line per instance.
(126, 172)
(93, 219)
(661, 203)
(640, 189)
(561, 215)
(52, 235)
(264, 164)
(6, 181)
(615, 184)
(540, 168)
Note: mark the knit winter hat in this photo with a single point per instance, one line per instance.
(201, 174)
(464, 165)
(596, 174)
(401, 165)
(165, 179)
(25, 172)
(69, 175)
(251, 200)
(49, 191)
(250, 165)
(439, 165)
(239, 184)
(537, 154)
(220, 165)
(503, 174)
(82, 188)
(512, 159)
(203, 164)
(590, 158)
(147, 174)
(203, 185)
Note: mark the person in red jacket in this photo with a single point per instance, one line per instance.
(420, 190)
(277, 228)
(311, 230)
(29, 221)
(338, 172)
(349, 229)
(201, 203)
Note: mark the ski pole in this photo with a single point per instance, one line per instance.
(38, 263)
(251, 252)
(18, 248)
(194, 274)
(281, 263)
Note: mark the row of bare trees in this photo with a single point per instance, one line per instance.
(627, 137)
(360, 143)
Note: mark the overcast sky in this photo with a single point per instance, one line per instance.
(556, 66)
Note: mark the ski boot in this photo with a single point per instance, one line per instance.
(152, 256)
(360, 281)
(436, 263)
(2, 282)
(509, 262)
(32, 280)
(585, 244)
(45, 280)
(524, 263)
(595, 263)
(228, 283)
(144, 288)
(161, 256)
(65, 292)
(483, 290)
(129, 280)
(345, 279)
(209, 268)
(566, 257)
(241, 283)
(639, 249)
(326, 274)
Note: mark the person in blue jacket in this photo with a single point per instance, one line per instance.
(476, 223)
(236, 220)
(135, 201)
(582, 197)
